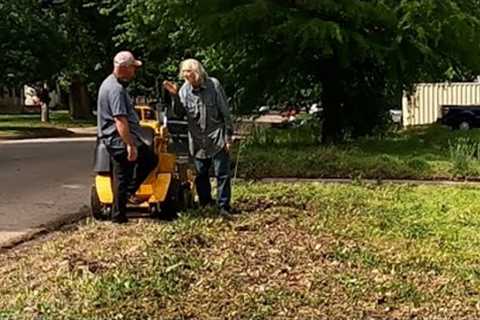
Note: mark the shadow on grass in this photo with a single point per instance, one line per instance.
(60, 119)
(32, 132)
(12, 118)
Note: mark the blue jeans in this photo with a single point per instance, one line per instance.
(221, 166)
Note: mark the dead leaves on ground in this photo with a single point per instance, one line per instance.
(270, 261)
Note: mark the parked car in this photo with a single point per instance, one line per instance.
(460, 117)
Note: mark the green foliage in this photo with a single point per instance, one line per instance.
(89, 46)
(30, 42)
(356, 57)
(423, 153)
(362, 53)
(56, 42)
(464, 152)
(305, 135)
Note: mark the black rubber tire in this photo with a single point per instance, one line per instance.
(464, 125)
(170, 207)
(154, 210)
(179, 197)
(98, 210)
(186, 197)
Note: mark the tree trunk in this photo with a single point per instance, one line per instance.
(332, 97)
(79, 99)
(332, 124)
(45, 114)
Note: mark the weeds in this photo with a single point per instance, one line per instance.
(464, 152)
(426, 153)
(296, 251)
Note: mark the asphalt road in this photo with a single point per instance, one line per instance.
(42, 182)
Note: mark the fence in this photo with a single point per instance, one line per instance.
(11, 100)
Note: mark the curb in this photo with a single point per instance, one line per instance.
(37, 232)
(66, 136)
(47, 140)
(367, 181)
(56, 133)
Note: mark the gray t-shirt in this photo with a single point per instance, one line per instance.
(113, 101)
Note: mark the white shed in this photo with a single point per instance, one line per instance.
(424, 105)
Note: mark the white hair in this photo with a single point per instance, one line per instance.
(196, 67)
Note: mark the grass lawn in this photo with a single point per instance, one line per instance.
(29, 125)
(432, 152)
(296, 251)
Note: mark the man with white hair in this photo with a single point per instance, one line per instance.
(119, 129)
(203, 100)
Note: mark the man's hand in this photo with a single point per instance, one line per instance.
(170, 87)
(131, 152)
(121, 123)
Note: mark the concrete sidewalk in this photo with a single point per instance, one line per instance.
(84, 132)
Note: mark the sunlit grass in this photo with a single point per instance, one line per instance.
(29, 125)
(423, 153)
(59, 119)
(295, 250)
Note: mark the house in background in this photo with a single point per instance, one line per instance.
(24, 100)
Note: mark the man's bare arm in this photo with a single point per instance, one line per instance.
(177, 104)
(123, 130)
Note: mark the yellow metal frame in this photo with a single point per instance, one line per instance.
(104, 188)
(155, 187)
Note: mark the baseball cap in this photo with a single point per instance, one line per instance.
(125, 59)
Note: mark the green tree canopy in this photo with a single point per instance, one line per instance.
(30, 43)
(359, 52)
(355, 56)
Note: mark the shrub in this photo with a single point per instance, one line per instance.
(463, 151)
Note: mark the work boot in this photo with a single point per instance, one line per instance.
(120, 220)
(133, 199)
(224, 212)
(207, 203)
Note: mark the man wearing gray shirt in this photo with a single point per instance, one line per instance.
(202, 99)
(119, 129)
